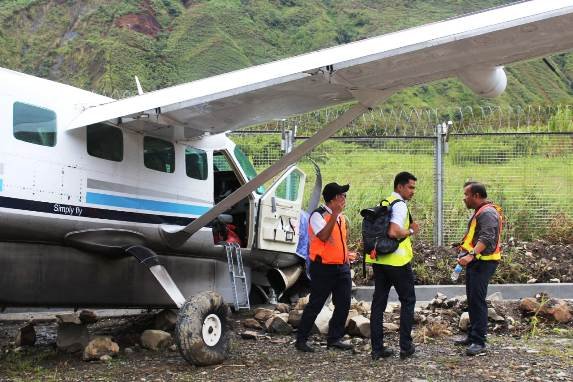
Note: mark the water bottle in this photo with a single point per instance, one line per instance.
(456, 272)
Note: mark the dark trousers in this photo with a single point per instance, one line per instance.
(402, 278)
(327, 279)
(478, 274)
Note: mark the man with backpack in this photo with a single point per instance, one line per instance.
(395, 269)
(482, 252)
(329, 269)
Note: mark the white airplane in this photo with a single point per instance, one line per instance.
(86, 181)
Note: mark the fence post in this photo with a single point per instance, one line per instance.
(441, 134)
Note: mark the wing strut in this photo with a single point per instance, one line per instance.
(175, 238)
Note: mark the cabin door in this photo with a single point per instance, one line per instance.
(279, 213)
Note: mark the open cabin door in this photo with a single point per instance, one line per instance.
(279, 213)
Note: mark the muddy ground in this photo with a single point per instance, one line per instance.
(524, 353)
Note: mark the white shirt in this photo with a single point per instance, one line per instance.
(317, 222)
(399, 211)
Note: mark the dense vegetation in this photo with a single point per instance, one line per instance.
(101, 44)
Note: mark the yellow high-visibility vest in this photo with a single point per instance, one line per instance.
(469, 237)
(404, 254)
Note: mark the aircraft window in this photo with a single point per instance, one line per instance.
(220, 163)
(288, 188)
(105, 142)
(34, 124)
(158, 154)
(196, 163)
(247, 167)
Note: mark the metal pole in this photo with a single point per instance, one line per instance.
(439, 231)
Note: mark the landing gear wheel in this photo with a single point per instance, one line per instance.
(202, 330)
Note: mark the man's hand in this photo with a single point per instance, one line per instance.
(415, 227)
(352, 256)
(465, 260)
(338, 205)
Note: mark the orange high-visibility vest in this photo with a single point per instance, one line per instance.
(468, 238)
(333, 250)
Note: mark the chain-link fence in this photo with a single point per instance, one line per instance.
(523, 155)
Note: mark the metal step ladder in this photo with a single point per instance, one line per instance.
(237, 274)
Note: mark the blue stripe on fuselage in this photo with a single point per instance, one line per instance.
(144, 204)
(1, 185)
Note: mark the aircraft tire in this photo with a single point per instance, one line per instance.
(202, 331)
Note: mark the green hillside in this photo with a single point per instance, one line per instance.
(101, 44)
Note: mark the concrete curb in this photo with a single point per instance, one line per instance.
(508, 291)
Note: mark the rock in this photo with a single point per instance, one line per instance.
(497, 296)
(560, 311)
(556, 281)
(352, 274)
(464, 322)
(351, 313)
(251, 323)
(528, 305)
(155, 339)
(492, 314)
(72, 337)
(282, 307)
(88, 317)
(165, 320)
(359, 326)
(99, 347)
(321, 322)
(301, 303)
(105, 358)
(390, 326)
(263, 314)
(441, 296)
(173, 348)
(362, 307)
(294, 317)
(70, 318)
(128, 350)
(278, 324)
(249, 335)
(532, 281)
(26, 336)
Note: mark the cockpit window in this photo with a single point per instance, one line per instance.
(196, 163)
(34, 124)
(105, 142)
(247, 167)
(158, 154)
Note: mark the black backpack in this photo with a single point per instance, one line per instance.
(375, 224)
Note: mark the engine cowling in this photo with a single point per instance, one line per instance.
(487, 82)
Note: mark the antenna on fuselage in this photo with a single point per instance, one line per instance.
(139, 88)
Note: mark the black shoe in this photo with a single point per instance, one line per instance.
(407, 353)
(339, 345)
(385, 353)
(303, 347)
(463, 342)
(475, 349)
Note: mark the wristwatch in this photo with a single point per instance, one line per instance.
(411, 231)
(472, 253)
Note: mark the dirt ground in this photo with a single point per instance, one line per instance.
(513, 356)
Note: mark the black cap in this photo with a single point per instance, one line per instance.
(333, 189)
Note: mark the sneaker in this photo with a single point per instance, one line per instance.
(303, 347)
(339, 345)
(385, 353)
(475, 349)
(463, 342)
(407, 353)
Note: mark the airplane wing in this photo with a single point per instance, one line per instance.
(470, 47)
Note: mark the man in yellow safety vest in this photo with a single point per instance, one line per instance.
(481, 246)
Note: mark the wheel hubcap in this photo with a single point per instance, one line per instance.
(212, 329)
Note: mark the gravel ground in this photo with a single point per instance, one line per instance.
(511, 357)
